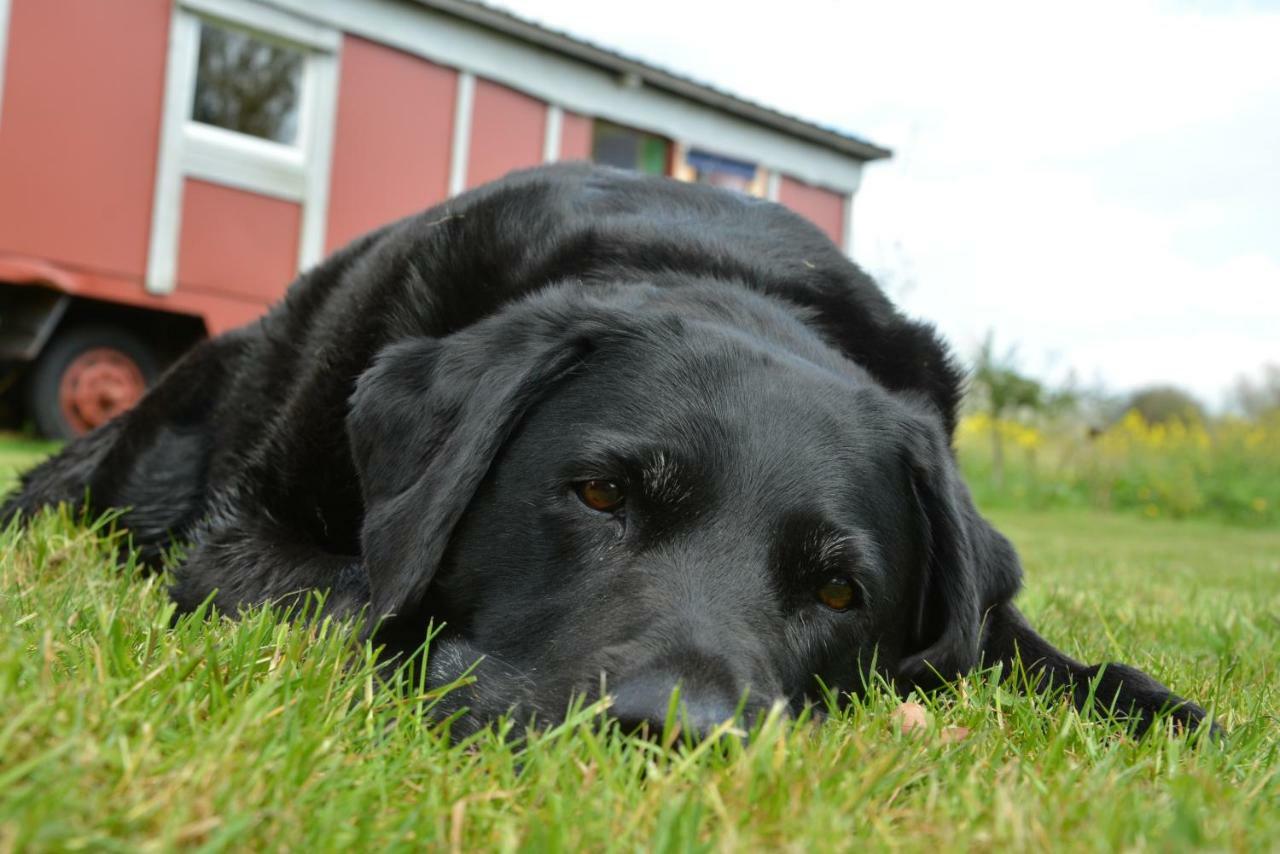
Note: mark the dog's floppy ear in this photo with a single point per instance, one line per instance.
(969, 568)
(426, 421)
(966, 615)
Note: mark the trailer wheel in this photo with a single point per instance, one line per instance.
(86, 376)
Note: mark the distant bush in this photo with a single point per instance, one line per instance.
(1165, 405)
(1226, 469)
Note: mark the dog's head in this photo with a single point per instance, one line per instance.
(629, 489)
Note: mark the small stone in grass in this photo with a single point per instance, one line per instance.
(910, 717)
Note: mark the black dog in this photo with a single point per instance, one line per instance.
(617, 433)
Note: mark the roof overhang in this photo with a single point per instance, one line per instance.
(636, 72)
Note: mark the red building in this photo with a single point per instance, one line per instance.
(168, 166)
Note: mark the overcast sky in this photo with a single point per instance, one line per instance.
(1098, 182)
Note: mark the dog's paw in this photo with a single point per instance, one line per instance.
(1131, 695)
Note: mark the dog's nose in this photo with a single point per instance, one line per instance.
(641, 704)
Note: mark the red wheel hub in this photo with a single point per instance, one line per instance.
(97, 386)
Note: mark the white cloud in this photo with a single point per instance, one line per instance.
(1097, 181)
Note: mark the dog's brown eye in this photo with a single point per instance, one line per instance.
(602, 495)
(837, 594)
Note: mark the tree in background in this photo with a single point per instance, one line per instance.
(1165, 404)
(1260, 399)
(1001, 391)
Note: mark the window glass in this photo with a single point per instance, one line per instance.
(614, 145)
(248, 85)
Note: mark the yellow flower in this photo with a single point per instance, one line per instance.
(1027, 437)
(1260, 504)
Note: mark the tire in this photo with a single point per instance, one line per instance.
(86, 375)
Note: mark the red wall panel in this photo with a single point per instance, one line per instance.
(506, 132)
(824, 208)
(392, 141)
(84, 84)
(575, 137)
(237, 243)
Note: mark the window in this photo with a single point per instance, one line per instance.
(614, 145)
(722, 171)
(250, 102)
(247, 85)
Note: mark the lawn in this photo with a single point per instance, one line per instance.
(119, 732)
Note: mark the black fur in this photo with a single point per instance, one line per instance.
(407, 429)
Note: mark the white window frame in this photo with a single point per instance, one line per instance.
(295, 172)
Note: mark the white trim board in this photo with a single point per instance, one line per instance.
(4, 50)
(166, 206)
(848, 225)
(553, 132)
(459, 156)
(322, 77)
(574, 85)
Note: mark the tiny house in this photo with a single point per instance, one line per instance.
(168, 166)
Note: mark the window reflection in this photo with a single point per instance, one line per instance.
(247, 85)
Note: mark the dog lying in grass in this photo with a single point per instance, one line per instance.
(617, 434)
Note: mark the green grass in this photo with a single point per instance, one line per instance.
(118, 732)
(18, 454)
